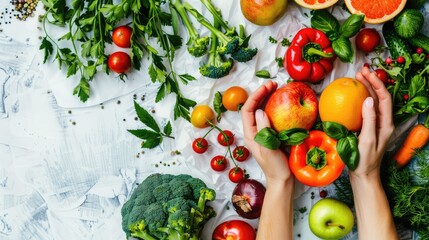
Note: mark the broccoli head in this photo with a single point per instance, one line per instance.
(244, 54)
(171, 210)
(197, 45)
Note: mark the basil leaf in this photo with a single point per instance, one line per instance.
(263, 74)
(352, 25)
(293, 136)
(267, 137)
(343, 49)
(348, 150)
(218, 106)
(324, 21)
(335, 130)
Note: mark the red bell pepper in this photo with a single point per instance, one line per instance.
(310, 56)
(316, 162)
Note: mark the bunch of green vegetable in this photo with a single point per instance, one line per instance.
(221, 43)
(168, 206)
(339, 34)
(408, 70)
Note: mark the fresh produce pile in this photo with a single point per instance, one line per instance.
(320, 134)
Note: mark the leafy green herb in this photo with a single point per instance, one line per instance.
(89, 29)
(285, 42)
(263, 74)
(325, 22)
(348, 150)
(268, 138)
(218, 106)
(272, 40)
(343, 49)
(293, 136)
(352, 25)
(279, 61)
(302, 209)
(153, 136)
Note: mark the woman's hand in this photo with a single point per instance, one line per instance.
(377, 126)
(274, 163)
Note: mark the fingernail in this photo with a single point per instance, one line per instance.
(369, 102)
(259, 115)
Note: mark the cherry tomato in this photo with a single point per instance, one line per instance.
(119, 62)
(382, 75)
(240, 153)
(389, 61)
(233, 98)
(236, 174)
(201, 116)
(226, 138)
(419, 50)
(200, 145)
(234, 230)
(218, 163)
(400, 60)
(367, 40)
(121, 36)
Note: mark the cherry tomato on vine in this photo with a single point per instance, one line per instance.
(121, 36)
(119, 62)
(240, 153)
(367, 39)
(218, 163)
(200, 145)
(226, 138)
(201, 116)
(236, 174)
(400, 60)
(382, 75)
(234, 97)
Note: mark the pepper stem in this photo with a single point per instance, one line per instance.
(316, 158)
(317, 52)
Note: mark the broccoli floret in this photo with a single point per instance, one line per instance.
(196, 184)
(173, 211)
(227, 44)
(216, 67)
(244, 54)
(197, 45)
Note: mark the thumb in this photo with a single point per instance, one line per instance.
(369, 119)
(262, 120)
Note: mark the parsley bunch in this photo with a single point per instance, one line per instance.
(89, 25)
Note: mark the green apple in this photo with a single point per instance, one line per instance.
(330, 219)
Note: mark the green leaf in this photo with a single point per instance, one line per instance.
(152, 143)
(268, 138)
(343, 49)
(72, 69)
(218, 106)
(187, 78)
(89, 71)
(335, 130)
(146, 118)
(161, 93)
(348, 150)
(263, 74)
(79, 35)
(417, 86)
(352, 25)
(168, 129)
(418, 58)
(395, 71)
(86, 48)
(324, 21)
(152, 73)
(144, 133)
(293, 136)
(47, 48)
(66, 36)
(86, 21)
(82, 90)
(175, 22)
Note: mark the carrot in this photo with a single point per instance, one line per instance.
(416, 139)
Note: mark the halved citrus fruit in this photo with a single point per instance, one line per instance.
(316, 4)
(341, 102)
(376, 11)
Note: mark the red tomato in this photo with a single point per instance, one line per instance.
(218, 163)
(240, 153)
(236, 174)
(121, 36)
(226, 138)
(367, 39)
(119, 62)
(200, 145)
(382, 75)
(234, 230)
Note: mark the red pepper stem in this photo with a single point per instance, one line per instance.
(314, 51)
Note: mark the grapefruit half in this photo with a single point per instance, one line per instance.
(376, 11)
(316, 4)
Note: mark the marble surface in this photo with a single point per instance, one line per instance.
(67, 167)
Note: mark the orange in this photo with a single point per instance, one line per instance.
(376, 11)
(316, 4)
(341, 102)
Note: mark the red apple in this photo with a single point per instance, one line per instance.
(263, 12)
(294, 105)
